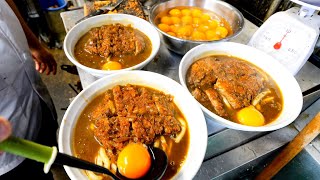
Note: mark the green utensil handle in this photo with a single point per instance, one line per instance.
(30, 150)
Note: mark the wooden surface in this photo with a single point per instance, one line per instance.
(307, 134)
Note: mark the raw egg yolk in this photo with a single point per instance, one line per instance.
(134, 161)
(164, 27)
(175, 12)
(111, 65)
(250, 116)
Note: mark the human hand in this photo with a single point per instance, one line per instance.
(44, 61)
(5, 129)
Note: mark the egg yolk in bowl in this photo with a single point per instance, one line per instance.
(134, 161)
(193, 23)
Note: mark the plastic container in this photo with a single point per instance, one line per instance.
(53, 18)
(48, 4)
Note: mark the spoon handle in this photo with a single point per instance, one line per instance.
(48, 155)
(64, 159)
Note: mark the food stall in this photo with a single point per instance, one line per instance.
(231, 153)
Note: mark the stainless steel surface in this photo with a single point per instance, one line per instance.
(223, 9)
(308, 76)
(231, 152)
(229, 164)
(228, 139)
(314, 148)
(310, 96)
(221, 166)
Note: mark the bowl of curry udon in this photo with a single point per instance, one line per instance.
(109, 43)
(134, 107)
(241, 87)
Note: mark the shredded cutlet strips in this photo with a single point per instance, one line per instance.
(234, 93)
(234, 80)
(216, 102)
(115, 39)
(162, 104)
(141, 115)
(142, 129)
(147, 104)
(238, 83)
(199, 95)
(132, 7)
(112, 133)
(202, 74)
(104, 109)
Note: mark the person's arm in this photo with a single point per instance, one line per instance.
(44, 61)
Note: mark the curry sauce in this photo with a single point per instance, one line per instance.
(153, 116)
(225, 85)
(116, 43)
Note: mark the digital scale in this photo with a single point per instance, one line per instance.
(290, 36)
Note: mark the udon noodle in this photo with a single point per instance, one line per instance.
(126, 114)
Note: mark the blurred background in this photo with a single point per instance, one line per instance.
(43, 16)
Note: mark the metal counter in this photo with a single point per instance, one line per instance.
(232, 153)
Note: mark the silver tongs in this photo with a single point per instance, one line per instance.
(102, 10)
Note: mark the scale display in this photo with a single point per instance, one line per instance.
(287, 37)
(286, 43)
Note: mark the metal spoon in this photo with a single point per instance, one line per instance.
(49, 155)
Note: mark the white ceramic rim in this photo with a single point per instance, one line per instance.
(197, 125)
(271, 66)
(110, 19)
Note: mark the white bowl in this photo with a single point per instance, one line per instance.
(291, 92)
(182, 98)
(83, 27)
